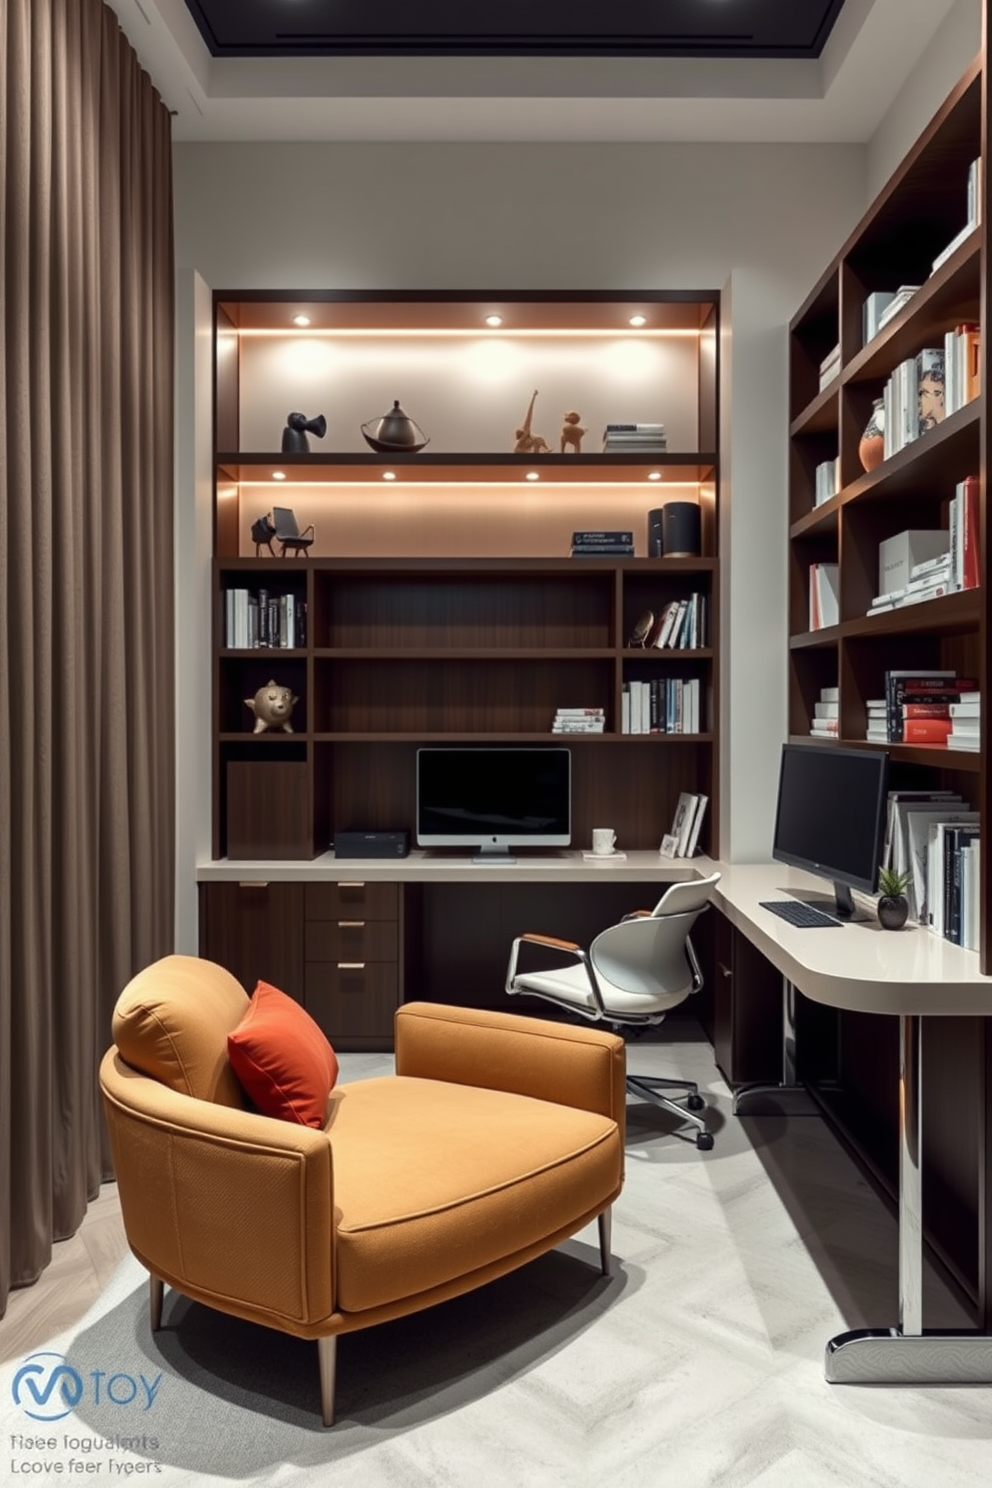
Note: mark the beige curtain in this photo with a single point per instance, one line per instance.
(86, 648)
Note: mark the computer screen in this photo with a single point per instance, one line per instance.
(489, 800)
(831, 816)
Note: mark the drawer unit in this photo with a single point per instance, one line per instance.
(352, 900)
(354, 1001)
(352, 954)
(352, 940)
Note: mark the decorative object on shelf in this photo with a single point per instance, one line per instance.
(394, 433)
(681, 524)
(294, 436)
(656, 535)
(288, 533)
(528, 443)
(893, 906)
(262, 533)
(642, 629)
(272, 706)
(571, 433)
(871, 450)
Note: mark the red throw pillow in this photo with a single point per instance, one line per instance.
(282, 1058)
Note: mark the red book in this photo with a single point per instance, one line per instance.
(926, 730)
(926, 710)
(969, 519)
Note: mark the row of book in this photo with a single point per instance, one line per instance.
(973, 216)
(947, 572)
(263, 621)
(826, 480)
(634, 439)
(830, 366)
(924, 707)
(824, 595)
(683, 838)
(599, 544)
(579, 721)
(962, 366)
(933, 837)
(663, 705)
(680, 625)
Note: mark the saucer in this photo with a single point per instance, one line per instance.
(610, 857)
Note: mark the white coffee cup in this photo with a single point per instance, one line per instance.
(603, 841)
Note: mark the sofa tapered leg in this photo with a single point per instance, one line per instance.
(605, 1223)
(155, 1290)
(327, 1355)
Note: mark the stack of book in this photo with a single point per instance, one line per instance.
(877, 716)
(663, 705)
(902, 297)
(918, 704)
(263, 621)
(579, 721)
(932, 835)
(927, 580)
(633, 439)
(966, 721)
(873, 309)
(830, 366)
(824, 595)
(682, 840)
(680, 625)
(826, 481)
(826, 714)
(962, 365)
(602, 545)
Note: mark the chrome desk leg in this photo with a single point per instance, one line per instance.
(907, 1355)
(788, 1097)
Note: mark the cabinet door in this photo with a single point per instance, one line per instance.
(747, 1012)
(255, 930)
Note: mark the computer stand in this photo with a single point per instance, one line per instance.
(787, 1097)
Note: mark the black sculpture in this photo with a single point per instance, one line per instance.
(294, 436)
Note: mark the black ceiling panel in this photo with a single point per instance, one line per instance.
(521, 28)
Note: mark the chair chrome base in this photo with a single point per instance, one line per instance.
(649, 1088)
(774, 1100)
(885, 1356)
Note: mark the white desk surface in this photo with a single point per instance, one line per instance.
(860, 966)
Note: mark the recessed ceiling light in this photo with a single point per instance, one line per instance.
(278, 475)
(655, 475)
(389, 475)
(638, 321)
(533, 475)
(301, 320)
(494, 320)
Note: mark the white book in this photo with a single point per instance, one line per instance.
(958, 741)
(965, 710)
(952, 246)
(697, 821)
(826, 710)
(645, 708)
(918, 825)
(625, 709)
(829, 694)
(971, 926)
(682, 821)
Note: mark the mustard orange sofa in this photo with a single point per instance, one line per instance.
(497, 1138)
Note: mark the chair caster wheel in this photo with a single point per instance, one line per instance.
(695, 1103)
(704, 1141)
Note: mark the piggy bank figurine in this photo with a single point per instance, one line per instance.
(272, 706)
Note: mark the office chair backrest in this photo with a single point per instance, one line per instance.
(285, 520)
(694, 893)
(647, 956)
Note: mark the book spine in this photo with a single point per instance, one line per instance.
(926, 730)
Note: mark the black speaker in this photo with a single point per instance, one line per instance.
(681, 530)
(656, 536)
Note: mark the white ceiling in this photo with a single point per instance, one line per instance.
(873, 48)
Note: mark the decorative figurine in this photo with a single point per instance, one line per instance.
(294, 436)
(262, 533)
(272, 706)
(394, 433)
(528, 443)
(642, 629)
(571, 433)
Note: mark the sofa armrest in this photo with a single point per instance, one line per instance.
(235, 1206)
(581, 1067)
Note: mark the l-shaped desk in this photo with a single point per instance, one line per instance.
(908, 974)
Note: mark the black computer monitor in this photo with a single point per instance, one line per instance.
(831, 816)
(489, 800)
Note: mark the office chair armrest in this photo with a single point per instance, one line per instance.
(549, 940)
(566, 948)
(636, 914)
(580, 1067)
(309, 528)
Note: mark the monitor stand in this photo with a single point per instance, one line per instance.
(491, 856)
(845, 908)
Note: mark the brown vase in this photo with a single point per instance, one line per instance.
(871, 450)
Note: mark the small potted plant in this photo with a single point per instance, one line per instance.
(893, 906)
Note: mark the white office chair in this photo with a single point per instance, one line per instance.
(630, 977)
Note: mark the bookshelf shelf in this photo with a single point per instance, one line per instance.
(441, 606)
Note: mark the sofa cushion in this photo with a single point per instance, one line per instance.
(171, 1022)
(283, 1059)
(434, 1180)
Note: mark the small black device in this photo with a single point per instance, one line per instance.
(656, 536)
(681, 529)
(831, 816)
(371, 844)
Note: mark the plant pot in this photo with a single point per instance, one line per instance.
(871, 450)
(893, 911)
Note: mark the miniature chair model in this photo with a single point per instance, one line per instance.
(630, 977)
(288, 533)
(262, 533)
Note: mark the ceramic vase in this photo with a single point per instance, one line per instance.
(893, 911)
(871, 450)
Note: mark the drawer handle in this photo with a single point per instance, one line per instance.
(351, 924)
(351, 966)
(253, 883)
(724, 970)
(350, 884)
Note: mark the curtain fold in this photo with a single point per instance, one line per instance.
(86, 590)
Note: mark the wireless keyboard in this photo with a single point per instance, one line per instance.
(797, 913)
